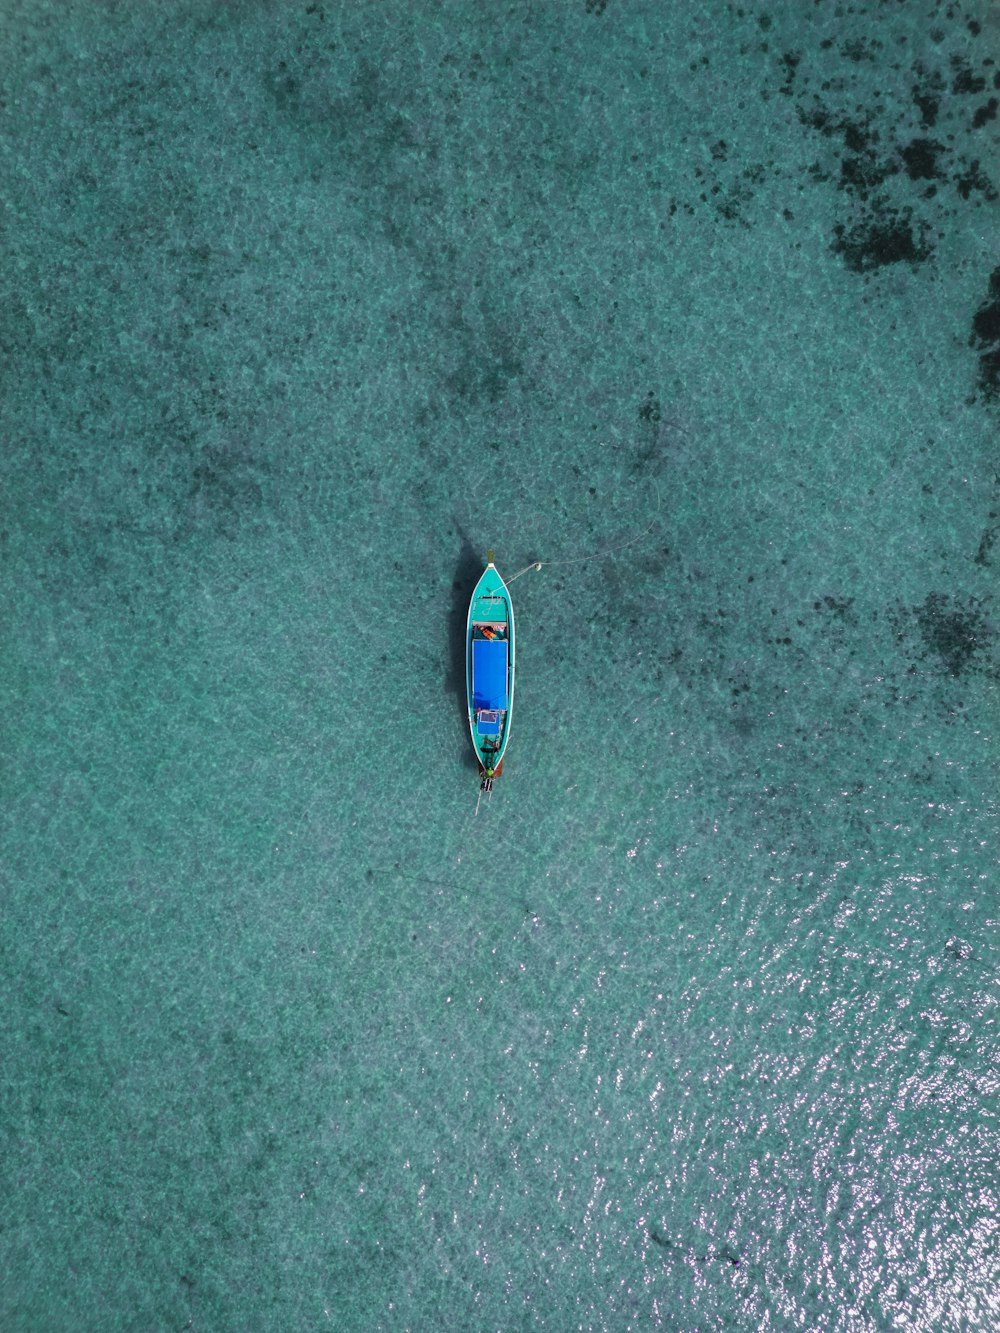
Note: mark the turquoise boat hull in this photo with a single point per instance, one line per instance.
(489, 670)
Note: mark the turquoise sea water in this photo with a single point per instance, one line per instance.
(303, 308)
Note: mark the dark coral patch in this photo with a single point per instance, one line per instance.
(986, 324)
(881, 143)
(818, 118)
(975, 179)
(883, 237)
(985, 113)
(857, 138)
(986, 338)
(927, 94)
(921, 159)
(838, 605)
(928, 105)
(857, 50)
(965, 82)
(957, 634)
(791, 61)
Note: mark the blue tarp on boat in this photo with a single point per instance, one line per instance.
(489, 673)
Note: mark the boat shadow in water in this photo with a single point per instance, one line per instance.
(468, 567)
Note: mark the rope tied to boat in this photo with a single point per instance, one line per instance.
(598, 555)
(537, 565)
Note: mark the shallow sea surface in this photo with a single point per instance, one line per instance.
(302, 308)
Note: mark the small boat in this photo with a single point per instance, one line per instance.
(489, 673)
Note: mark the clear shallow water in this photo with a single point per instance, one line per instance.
(694, 1027)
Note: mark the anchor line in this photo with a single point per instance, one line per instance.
(598, 555)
